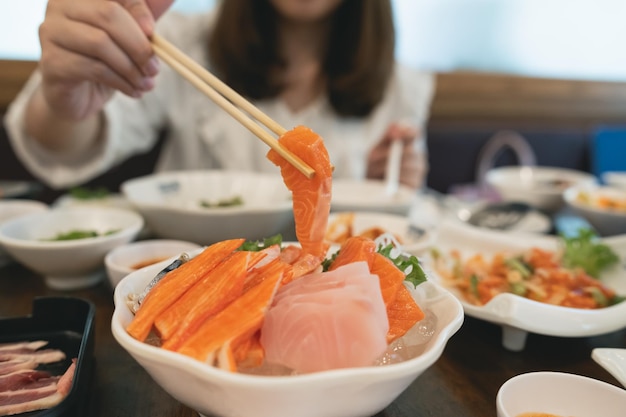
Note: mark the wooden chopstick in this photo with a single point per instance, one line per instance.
(227, 99)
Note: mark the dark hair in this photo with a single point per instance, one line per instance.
(358, 62)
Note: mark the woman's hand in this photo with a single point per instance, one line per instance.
(413, 166)
(90, 48)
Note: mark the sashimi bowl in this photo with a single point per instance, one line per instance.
(209, 206)
(351, 391)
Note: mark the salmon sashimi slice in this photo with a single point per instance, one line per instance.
(207, 297)
(311, 197)
(173, 285)
(238, 321)
(403, 314)
(355, 249)
(259, 274)
(391, 278)
(290, 254)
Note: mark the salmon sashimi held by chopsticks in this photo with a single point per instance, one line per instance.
(239, 320)
(176, 283)
(207, 297)
(311, 197)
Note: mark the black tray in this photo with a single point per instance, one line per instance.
(67, 324)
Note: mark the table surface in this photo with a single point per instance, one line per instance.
(462, 383)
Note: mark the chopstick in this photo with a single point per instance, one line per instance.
(227, 99)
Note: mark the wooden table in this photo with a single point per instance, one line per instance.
(462, 383)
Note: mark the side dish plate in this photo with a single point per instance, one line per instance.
(518, 315)
(67, 324)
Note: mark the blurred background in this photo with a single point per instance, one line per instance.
(551, 71)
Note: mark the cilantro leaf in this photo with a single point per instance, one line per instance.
(257, 246)
(585, 251)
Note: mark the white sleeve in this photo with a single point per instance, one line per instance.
(131, 127)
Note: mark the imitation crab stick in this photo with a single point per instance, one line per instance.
(176, 283)
(239, 320)
(207, 297)
(311, 197)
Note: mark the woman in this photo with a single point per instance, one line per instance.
(100, 95)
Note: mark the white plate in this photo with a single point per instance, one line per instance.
(519, 315)
(412, 238)
(10, 189)
(370, 195)
(613, 360)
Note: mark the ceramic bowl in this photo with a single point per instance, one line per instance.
(68, 264)
(412, 238)
(518, 315)
(539, 186)
(370, 195)
(590, 201)
(349, 392)
(613, 360)
(127, 258)
(559, 394)
(10, 209)
(172, 205)
(615, 178)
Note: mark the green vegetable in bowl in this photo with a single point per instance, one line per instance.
(79, 234)
(227, 202)
(587, 252)
(84, 193)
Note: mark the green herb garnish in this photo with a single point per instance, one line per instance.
(84, 193)
(228, 202)
(409, 264)
(79, 234)
(585, 251)
(258, 245)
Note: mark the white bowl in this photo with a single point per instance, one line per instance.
(518, 315)
(539, 186)
(370, 195)
(615, 179)
(125, 259)
(613, 360)
(11, 209)
(69, 264)
(338, 393)
(559, 394)
(412, 238)
(171, 205)
(608, 221)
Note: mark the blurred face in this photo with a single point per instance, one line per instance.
(305, 10)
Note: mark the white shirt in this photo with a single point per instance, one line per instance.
(203, 136)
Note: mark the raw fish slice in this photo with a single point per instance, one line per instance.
(207, 297)
(356, 248)
(311, 197)
(258, 274)
(290, 254)
(391, 278)
(176, 283)
(237, 322)
(403, 314)
(326, 321)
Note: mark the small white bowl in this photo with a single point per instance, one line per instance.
(11, 209)
(615, 179)
(171, 204)
(347, 392)
(559, 394)
(68, 264)
(539, 186)
(607, 221)
(125, 259)
(370, 195)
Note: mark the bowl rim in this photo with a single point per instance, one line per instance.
(135, 225)
(570, 194)
(557, 376)
(109, 259)
(273, 207)
(495, 176)
(204, 371)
